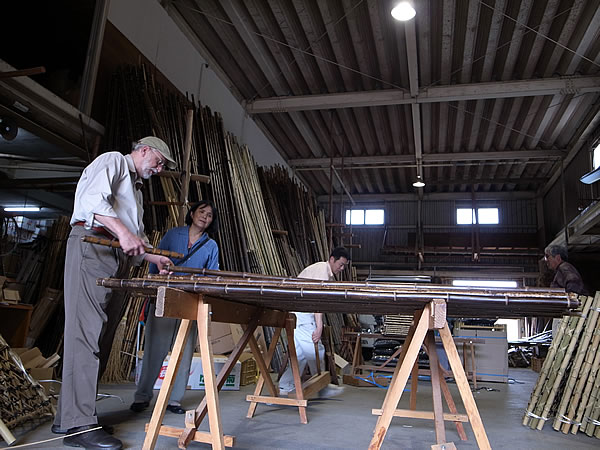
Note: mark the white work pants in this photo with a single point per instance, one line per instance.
(305, 350)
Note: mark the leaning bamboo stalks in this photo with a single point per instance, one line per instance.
(565, 362)
(588, 381)
(545, 371)
(582, 349)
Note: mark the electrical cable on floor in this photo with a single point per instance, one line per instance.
(54, 439)
(104, 396)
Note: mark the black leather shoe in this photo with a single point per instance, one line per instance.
(139, 406)
(95, 440)
(56, 429)
(175, 409)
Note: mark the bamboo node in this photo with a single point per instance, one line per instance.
(565, 419)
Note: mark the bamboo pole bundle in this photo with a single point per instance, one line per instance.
(231, 235)
(250, 203)
(123, 351)
(555, 367)
(564, 420)
(591, 364)
(592, 412)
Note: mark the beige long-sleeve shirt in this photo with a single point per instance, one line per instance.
(109, 186)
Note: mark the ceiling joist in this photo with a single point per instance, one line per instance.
(434, 94)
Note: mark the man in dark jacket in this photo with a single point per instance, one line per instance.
(566, 275)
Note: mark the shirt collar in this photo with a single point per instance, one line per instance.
(329, 271)
(137, 180)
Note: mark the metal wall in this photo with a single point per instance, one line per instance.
(515, 216)
(577, 196)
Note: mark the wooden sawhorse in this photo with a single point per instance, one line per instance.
(310, 387)
(432, 317)
(188, 306)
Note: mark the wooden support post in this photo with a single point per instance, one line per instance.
(463, 387)
(400, 378)
(473, 367)
(167, 386)
(414, 385)
(357, 356)
(289, 329)
(438, 411)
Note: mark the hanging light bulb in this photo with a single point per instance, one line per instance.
(403, 11)
(419, 183)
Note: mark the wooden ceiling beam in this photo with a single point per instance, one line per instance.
(576, 85)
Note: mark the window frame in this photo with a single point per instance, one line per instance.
(479, 208)
(364, 210)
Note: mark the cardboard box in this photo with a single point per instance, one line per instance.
(221, 338)
(196, 376)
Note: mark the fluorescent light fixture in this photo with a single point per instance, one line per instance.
(485, 283)
(22, 208)
(403, 11)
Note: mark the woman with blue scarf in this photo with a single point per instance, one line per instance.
(200, 252)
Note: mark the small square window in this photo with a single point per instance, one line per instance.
(365, 216)
(485, 216)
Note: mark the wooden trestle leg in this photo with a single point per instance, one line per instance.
(211, 391)
(431, 318)
(167, 386)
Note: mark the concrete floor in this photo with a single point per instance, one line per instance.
(344, 422)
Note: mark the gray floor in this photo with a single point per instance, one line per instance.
(341, 423)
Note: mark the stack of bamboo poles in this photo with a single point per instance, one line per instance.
(160, 113)
(299, 229)
(123, 353)
(232, 239)
(569, 383)
(262, 253)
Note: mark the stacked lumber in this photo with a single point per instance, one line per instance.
(22, 400)
(396, 324)
(567, 389)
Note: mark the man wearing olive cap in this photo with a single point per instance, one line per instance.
(108, 204)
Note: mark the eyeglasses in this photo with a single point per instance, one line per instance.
(161, 162)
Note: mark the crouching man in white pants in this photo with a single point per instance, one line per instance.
(309, 326)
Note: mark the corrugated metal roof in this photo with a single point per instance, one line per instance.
(500, 91)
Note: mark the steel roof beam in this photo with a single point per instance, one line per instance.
(434, 94)
(427, 157)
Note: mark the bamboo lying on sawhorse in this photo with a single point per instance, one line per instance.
(432, 317)
(202, 308)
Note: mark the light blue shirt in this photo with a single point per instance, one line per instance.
(176, 240)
